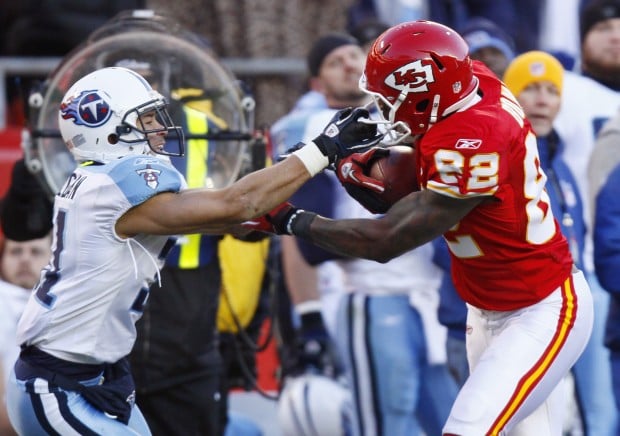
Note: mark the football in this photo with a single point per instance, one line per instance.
(398, 173)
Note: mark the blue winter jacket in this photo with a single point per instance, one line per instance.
(607, 252)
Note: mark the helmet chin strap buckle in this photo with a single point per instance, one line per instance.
(434, 109)
(123, 129)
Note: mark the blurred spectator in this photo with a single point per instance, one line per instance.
(488, 43)
(382, 317)
(604, 179)
(519, 19)
(20, 267)
(536, 80)
(588, 101)
(600, 38)
(335, 63)
(367, 31)
(25, 218)
(559, 31)
(27, 209)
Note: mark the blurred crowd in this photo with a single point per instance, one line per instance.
(281, 29)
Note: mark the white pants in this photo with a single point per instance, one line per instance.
(518, 360)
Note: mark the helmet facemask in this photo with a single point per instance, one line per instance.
(133, 128)
(396, 132)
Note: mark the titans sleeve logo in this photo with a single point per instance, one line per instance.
(87, 108)
(150, 176)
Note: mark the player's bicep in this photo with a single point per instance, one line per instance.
(170, 213)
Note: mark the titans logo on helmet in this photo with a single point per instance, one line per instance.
(87, 108)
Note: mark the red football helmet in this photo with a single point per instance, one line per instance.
(418, 72)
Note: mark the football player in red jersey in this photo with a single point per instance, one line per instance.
(529, 309)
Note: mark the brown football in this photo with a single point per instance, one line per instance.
(398, 172)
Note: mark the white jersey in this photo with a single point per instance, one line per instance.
(586, 106)
(92, 292)
(13, 300)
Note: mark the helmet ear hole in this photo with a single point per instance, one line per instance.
(437, 60)
(113, 138)
(421, 105)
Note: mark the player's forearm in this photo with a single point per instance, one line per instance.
(203, 210)
(363, 238)
(358, 238)
(408, 224)
(261, 191)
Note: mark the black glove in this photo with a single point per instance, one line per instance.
(315, 350)
(346, 133)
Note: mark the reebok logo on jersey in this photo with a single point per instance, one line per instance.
(470, 144)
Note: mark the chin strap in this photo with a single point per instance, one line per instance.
(434, 110)
(148, 254)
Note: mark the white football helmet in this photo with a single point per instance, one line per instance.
(314, 405)
(98, 117)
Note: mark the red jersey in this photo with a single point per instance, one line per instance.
(508, 252)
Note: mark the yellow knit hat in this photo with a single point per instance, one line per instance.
(530, 67)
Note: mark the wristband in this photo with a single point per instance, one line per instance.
(308, 306)
(299, 224)
(312, 158)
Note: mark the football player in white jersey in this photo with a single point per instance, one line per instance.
(112, 219)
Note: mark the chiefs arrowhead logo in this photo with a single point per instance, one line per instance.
(413, 77)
